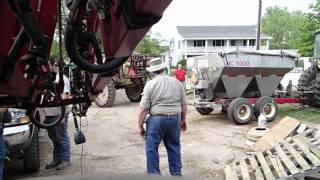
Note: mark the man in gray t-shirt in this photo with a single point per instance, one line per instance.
(165, 101)
(59, 133)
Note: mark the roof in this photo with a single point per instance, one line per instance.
(219, 32)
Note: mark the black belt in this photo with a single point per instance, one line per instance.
(165, 115)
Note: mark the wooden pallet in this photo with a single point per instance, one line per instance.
(296, 157)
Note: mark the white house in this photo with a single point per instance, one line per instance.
(190, 41)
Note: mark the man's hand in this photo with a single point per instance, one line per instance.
(3, 109)
(142, 132)
(61, 123)
(183, 126)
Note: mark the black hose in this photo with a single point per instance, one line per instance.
(71, 37)
(35, 118)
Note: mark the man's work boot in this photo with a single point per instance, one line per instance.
(63, 165)
(54, 163)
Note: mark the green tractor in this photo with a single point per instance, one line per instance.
(132, 77)
(309, 81)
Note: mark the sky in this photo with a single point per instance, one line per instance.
(218, 12)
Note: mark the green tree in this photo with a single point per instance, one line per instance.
(306, 32)
(183, 63)
(151, 44)
(282, 26)
(54, 53)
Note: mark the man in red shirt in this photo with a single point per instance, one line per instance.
(181, 75)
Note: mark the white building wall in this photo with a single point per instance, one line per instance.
(178, 51)
(187, 48)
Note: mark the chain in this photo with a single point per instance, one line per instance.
(60, 61)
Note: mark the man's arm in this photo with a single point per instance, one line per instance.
(143, 112)
(65, 95)
(184, 110)
(3, 109)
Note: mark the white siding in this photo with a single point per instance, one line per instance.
(188, 49)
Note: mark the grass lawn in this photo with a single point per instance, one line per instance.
(302, 113)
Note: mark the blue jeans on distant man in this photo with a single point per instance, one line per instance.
(166, 128)
(60, 138)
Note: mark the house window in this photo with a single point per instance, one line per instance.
(244, 42)
(233, 43)
(252, 42)
(300, 64)
(218, 43)
(199, 43)
(172, 44)
(179, 44)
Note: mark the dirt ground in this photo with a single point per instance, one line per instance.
(114, 147)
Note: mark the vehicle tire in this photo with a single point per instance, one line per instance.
(31, 159)
(107, 97)
(307, 78)
(317, 91)
(204, 111)
(134, 93)
(240, 111)
(307, 81)
(267, 106)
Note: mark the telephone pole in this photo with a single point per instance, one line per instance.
(259, 25)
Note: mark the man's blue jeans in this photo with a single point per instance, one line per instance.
(60, 138)
(166, 128)
(2, 153)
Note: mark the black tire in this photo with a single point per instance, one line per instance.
(110, 92)
(267, 106)
(204, 111)
(317, 91)
(134, 93)
(307, 78)
(31, 159)
(308, 82)
(237, 106)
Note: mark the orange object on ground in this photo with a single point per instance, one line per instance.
(132, 71)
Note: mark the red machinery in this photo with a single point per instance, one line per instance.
(27, 33)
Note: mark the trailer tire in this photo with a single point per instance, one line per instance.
(204, 111)
(110, 92)
(267, 106)
(317, 91)
(134, 93)
(240, 111)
